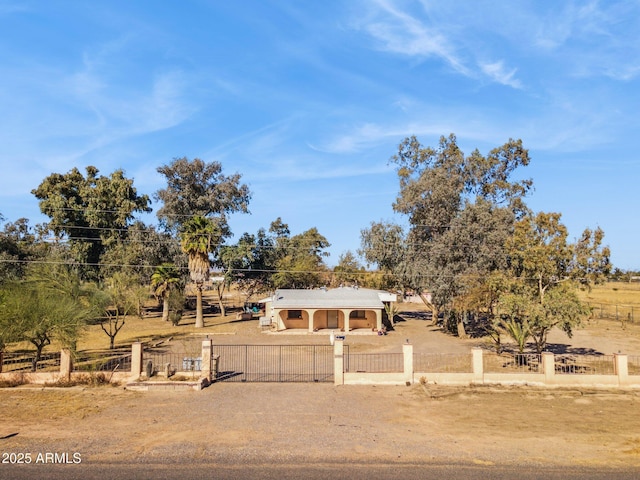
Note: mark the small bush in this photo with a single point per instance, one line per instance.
(89, 379)
(14, 380)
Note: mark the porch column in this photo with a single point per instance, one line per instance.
(346, 314)
(311, 313)
(379, 320)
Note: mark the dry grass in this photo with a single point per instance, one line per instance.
(613, 293)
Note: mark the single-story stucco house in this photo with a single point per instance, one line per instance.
(345, 309)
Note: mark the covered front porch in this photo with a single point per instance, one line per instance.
(313, 320)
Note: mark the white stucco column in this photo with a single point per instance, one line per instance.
(66, 364)
(478, 365)
(622, 368)
(136, 359)
(346, 314)
(407, 350)
(338, 362)
(312, 314)
(207, 347)
(378, 320)
(549, 367)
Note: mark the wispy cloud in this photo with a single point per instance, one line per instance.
(399, 32)
(498, 73)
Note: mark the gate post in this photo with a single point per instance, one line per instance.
(478, 365)
(407, 350)
(206, 369)
(136, 359)
(622, 368)
(338, 362)
(66, 364)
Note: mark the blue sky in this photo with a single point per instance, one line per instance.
(309, 100)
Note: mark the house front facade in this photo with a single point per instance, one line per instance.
(345, 309)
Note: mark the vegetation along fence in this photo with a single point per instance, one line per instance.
(621, 313)
(26, 362)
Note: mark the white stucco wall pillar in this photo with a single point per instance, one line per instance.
(407, 351)
(206, 368)
(549, 367)
(66, 364)
(136, 359)
(478, 365)
(622, 368)
(338, 362)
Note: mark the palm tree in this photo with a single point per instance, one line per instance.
(198, 238)
(165, 278)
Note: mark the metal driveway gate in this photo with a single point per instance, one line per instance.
(274, 363)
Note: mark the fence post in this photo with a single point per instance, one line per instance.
(407, 350)
(1, 360)
(549, 367)
(66, 365)
(338, 362)
(478, 366)
(206, 369)
(136, 359)
(622, 367)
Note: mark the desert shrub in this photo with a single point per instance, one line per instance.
(14, 380)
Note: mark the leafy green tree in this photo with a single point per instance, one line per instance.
(250, 262)
(348, 270)
(198, 188)
(20, 244)
(115, 299)
(460, 210)
(199, 238)
(91, 212)
(141, 251)
(39, 315)
(548, 270)
(164, 280)
(299, 259)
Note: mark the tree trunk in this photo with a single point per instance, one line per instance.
(199, 318)
(220, 289)
(460, 324)
(165, 308)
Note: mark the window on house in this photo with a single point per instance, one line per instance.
(295, 314)
(358, 314)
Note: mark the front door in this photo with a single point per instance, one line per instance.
(332, 319)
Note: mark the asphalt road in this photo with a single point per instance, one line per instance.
(307, 471)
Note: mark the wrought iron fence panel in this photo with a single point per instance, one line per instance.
(585, 364)
(374, 362)
(107, 361)
(442, 363)
(512, 363)
(26, 362)
(274, 363)
(634, 364)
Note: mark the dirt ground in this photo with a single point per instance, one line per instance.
(240, 423)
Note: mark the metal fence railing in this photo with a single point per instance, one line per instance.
(633, 364)
(512, 363)
(26, 362)
(442, 362)
(622, 313)
(106, 361)
(585, 364)
(182, 362)
(374, 362)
